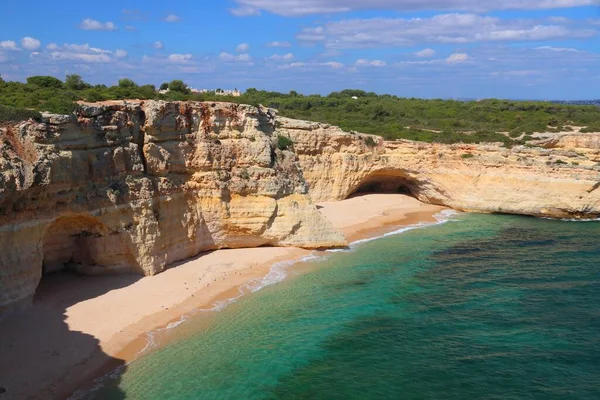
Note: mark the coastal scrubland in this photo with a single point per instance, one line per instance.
(393, 117)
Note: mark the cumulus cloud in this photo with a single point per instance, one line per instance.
(245, 11)
(79, 52)
(172, 18)
(120, 53)
(242, 48)
(292, 8)
(158, 45)
(277, 57)
(425, 53)
(443, 28)
(457, 58)
(179, 58)
(362, 62)
(52, 46)
(228, 57)
(8, 45)
(279, 44)
(90, 24)
(30, 43)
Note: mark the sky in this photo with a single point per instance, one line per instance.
(520, 49)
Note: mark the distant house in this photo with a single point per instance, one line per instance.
(234, 92)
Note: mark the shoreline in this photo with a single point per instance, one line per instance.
(204, 283)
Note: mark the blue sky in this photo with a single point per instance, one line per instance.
(534, 49)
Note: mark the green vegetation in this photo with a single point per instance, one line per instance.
(284, 142)
(369, 141)
(442, 121)
(12, 114)
(467, 155)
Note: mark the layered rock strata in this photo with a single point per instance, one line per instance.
(136, 186)
(557, 177)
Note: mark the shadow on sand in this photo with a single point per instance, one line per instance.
(40, 358)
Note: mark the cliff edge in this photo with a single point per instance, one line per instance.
(132, 186)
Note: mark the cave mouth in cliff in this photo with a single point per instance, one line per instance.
(386, 182)
(72, 243)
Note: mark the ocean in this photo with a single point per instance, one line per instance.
(480, 307)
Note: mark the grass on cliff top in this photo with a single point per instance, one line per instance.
(443, 121)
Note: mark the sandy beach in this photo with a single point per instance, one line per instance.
(81, 327)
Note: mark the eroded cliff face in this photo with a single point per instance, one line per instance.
(136, 186)
(558, 178)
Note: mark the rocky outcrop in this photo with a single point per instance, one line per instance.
(136, 186)
(559, 180)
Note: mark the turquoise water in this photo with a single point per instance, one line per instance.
(485, 307)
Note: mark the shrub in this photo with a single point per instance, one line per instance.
(468, 155)
(559, 161)
(369, 141)
(284, 142)
(45, 81)
(11, 114)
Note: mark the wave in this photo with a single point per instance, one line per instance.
(573, 219)
(277, 273)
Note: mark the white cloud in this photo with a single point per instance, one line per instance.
(443, 28)
(228, 57)
(279, 44)
(120, 53)
(245, 11)
(172, 18)
(52, 46)
(90, 24)
(558, 49)
(131, 28)
(457, 58)
(158, 45)
(312, 65)
(8, 45)
(3, 57)
(277, 57)
(242, 48)
(367, 63)
(179, 58)
(30, 43)
(425, 53)
(307, 7)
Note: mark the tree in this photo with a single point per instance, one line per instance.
(179, 86)
(127, 83)
(164, 86)
(45, 81)
(75, 82)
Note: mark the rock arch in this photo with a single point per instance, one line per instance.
(386, 181)
(82, 243)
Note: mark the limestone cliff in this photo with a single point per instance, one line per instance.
(558, 177)
(136, 186)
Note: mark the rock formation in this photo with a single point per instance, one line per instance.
(558, 177)
(136, 186)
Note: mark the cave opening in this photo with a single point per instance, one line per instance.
(389, 182)
(82, 259)
(71, 243)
